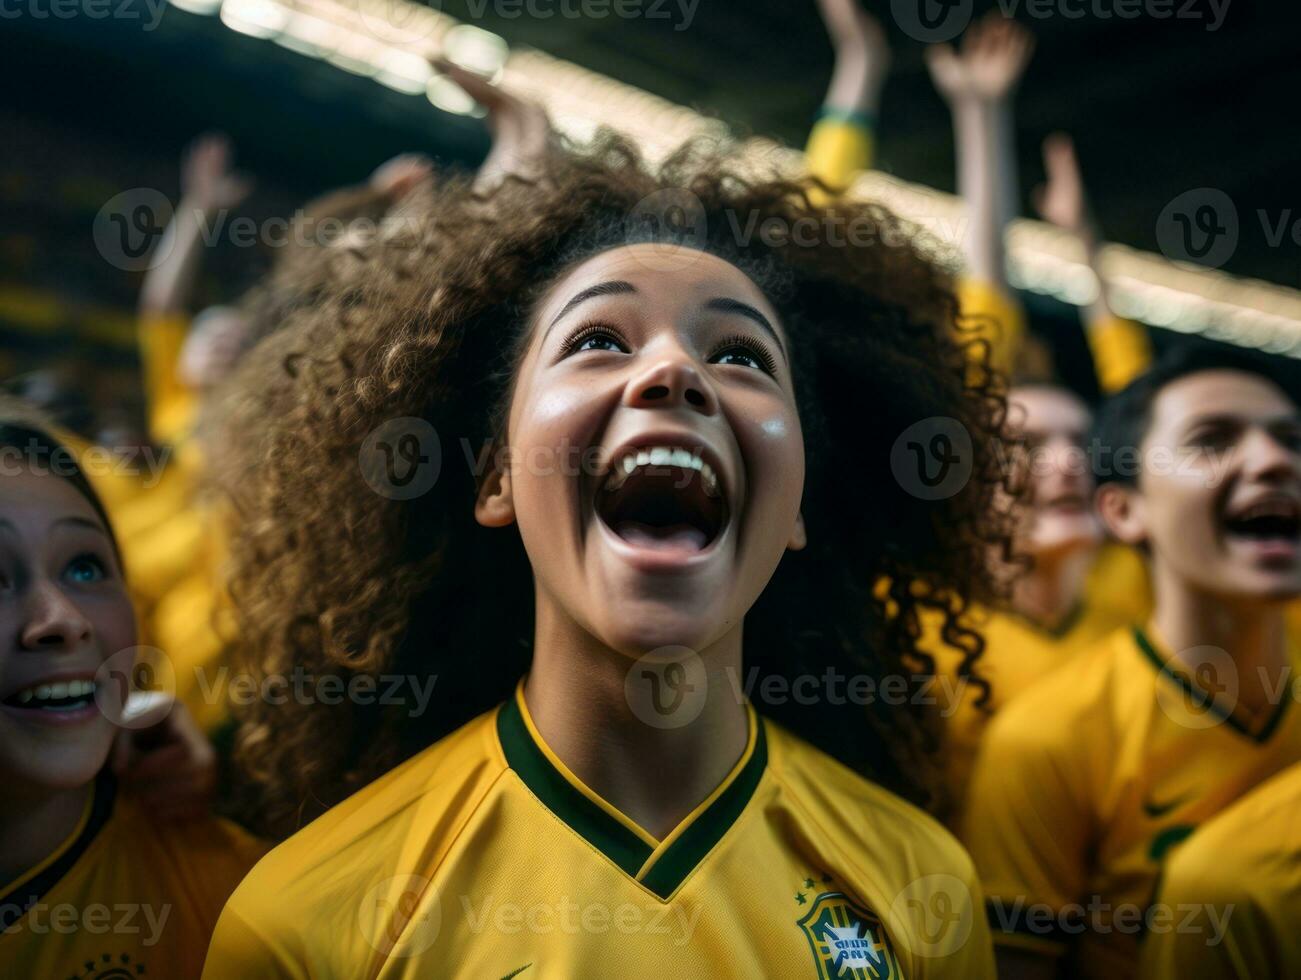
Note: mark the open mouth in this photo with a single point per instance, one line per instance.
(664, 498)
(1272, 520)
(62, 697)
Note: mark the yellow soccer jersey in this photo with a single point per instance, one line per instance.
(840, 145)
(1121, 350)
(1245, 864)
(1019, 653)
(484, 856)
(171, 403)
(1087, 780)
(122, 897)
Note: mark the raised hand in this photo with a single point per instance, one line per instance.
(1061, 199)
(396, 177)
(206, 177)
(993, 56)
(862, 54)
(520, 129)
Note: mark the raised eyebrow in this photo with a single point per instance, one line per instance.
(85, 522)
(725, 304)
(614, 287)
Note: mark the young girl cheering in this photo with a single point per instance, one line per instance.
(612, 471)
(93, 881)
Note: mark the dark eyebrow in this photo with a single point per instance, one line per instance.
(85, 522)
(614, 287)
(725, 304)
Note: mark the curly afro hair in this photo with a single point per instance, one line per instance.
(428, 319)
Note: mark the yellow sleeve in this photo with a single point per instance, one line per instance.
(238, 949)
(1026, 824)
(993, 315)
(1121, 350)
(170, 403)
(1246, 950)
(840, 145)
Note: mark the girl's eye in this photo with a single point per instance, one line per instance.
(85, 569)
(600, 341)
(594, 337)
(745, 352)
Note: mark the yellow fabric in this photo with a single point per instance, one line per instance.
(141, 900)
(1083, 784)
(453, 866)
(991, 314)
(838, 149)
(1246, 865)
(1019, 653)
(171, 403)
(171, 542)
(1121, 351)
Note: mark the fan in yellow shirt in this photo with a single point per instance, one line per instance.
(1234, 891)
(650, 528)
(485, 855)
(1085, 782)
(123, 892)
(93, 882)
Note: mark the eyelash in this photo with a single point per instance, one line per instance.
(754, 348)
(586, 332)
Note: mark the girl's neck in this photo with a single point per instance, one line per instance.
(33, 826)
(1253, 635)
(590, 714)
(1053, 587)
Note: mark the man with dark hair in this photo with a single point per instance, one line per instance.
(1085, 782)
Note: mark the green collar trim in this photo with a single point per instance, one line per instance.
(1177, 677)
(616, 841)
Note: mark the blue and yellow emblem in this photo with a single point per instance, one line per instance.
(848, 942)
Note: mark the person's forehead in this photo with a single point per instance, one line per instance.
(675, 272)
(30, 495)
(1039, 408)
(1220, 393)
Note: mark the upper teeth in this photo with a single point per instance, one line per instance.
(51, 692)
(1274, 507)
(662, 456)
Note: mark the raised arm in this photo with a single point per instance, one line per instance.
(521, 131)
(979, 83)
(842, 141)
(1121, 348)
(207, 186)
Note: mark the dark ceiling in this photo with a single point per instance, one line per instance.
(1157, 106)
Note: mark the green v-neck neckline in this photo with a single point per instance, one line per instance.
(660, 866)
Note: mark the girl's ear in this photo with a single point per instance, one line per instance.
(1121, 510)
(798, 536)
(495, 506)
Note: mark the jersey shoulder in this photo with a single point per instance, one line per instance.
(862, 816)
(369, 836)
(1231, 855)
(1084, 696)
